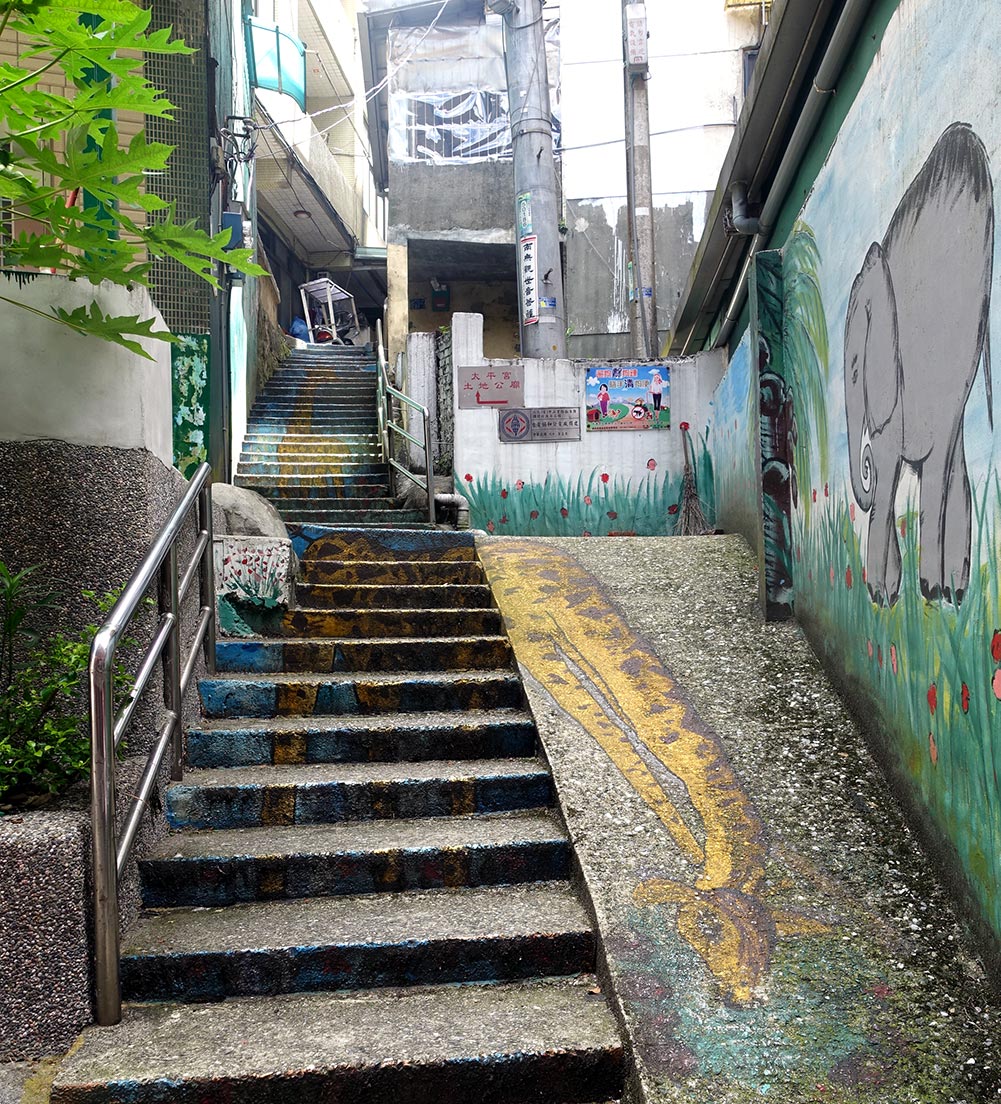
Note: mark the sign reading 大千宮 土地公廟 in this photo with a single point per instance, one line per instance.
(541, 423)
(628, 396)
(483, 385)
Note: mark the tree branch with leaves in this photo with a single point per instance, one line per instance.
(57, 147)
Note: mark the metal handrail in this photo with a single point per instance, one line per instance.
(107, 728)
(385, 394)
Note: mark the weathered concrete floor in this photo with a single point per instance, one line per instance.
(771, 927)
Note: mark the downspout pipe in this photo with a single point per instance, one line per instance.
(848, 26)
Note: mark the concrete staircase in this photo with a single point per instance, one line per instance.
(366, 876)
(312, 443)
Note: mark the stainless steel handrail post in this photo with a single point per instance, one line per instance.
(107, 979)
(386, 392)
(172, 666)
(429, 465)
(206, 581)
(111, 848)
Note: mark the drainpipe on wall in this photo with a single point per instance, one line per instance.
(845, 33)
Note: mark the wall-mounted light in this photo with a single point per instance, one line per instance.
(301, 214)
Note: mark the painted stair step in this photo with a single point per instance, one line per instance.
(390, 571)
(307, 424)
(320, 452)
(307, 438)
(304, 694)
(255, 477)
(221, 867)
(348, 490)
(337, 518)
(387, 737)
(365, 470)
(394, 596)
(335, 501)
(282, 467)
(333, 394)
(395, 623)
(323, 793)
(430, 937)
(550, 1040)
(265, 656)
(413, 545)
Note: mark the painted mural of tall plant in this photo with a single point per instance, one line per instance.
(807, 352)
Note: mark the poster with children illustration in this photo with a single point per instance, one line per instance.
(630, 396)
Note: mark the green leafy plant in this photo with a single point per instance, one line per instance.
(65, 172)
(44, 741)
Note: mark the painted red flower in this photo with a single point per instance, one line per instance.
(893, 657)
(848, 578)
(604, 477)
(851, 510)
(903, 527)
(587, 500)
(868, 646)
(964, 698)
(996, 646)
(612, 514)
(520, 485)
(468, 478)
(996, 684)
(865, 575)
(503, 519)
(827, 493)
(533, 515)
(585, 532)
(684, 427)
(673, 508)
(814, 494)
(651, 464)
(564, 512)
(879, 656)
(933, 748)
(503, 492)
(490, 526)
(932, 698)
(832, 576)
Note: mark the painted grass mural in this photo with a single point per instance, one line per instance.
(935, 670)
(929, 664)
(734, 443)
(600, 503)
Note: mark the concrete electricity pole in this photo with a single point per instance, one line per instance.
(639, 188)
(542, 310)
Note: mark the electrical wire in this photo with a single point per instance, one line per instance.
(653, 134)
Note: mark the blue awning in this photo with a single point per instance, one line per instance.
(277, 60)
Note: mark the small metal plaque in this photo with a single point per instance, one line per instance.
(540, 423)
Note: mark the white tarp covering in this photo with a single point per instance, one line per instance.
(448, 92)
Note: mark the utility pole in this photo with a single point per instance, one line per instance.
(639, 187)
(542, 309)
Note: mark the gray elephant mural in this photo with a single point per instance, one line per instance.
(916, 331)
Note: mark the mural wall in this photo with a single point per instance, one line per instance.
(735, 449)
(601, 484)
(189, 373)
(890, 306)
